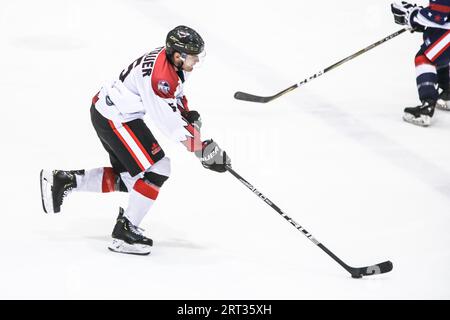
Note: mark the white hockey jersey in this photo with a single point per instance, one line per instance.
(150, 86)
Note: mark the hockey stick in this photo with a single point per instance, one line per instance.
(382, 267)
(253, 98)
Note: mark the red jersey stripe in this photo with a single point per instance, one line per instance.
(440, 8)
(126, 145)
(138, 143)
(436, 43)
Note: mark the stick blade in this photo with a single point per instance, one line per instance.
(379, 268)
(251, 98)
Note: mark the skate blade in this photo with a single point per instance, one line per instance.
(443, 105)
(423, 121)
(121, 246)
(46, 191)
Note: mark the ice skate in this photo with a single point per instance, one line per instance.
(55, 186)
(443, 101)
(420, 115)
(128, 238)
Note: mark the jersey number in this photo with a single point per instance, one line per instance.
(124, 74)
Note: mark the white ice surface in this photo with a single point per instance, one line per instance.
(335, 155)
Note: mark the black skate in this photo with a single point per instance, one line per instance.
(128, 238)
(443, 101)
(420, 115)
(55, 186)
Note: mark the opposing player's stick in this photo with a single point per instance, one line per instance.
(253, 98)
(382, 267)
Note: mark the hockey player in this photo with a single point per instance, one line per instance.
(152, 85)
(432, 60)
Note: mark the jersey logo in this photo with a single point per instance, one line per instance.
(155, 148)
(163, 86)
(109, 101)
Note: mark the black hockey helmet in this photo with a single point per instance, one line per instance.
(184, 40)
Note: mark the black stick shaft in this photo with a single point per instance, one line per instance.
(356, 54)
(290, 220)
(254, 98)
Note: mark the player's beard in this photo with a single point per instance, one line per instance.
(180, 65)
(187, 68)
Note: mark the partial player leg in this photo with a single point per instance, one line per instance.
(443, 101)
(426, 77)
(57, 184)
(142, 197)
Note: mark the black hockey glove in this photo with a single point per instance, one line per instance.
(212, 157)
(400, 12)
(193, 117)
